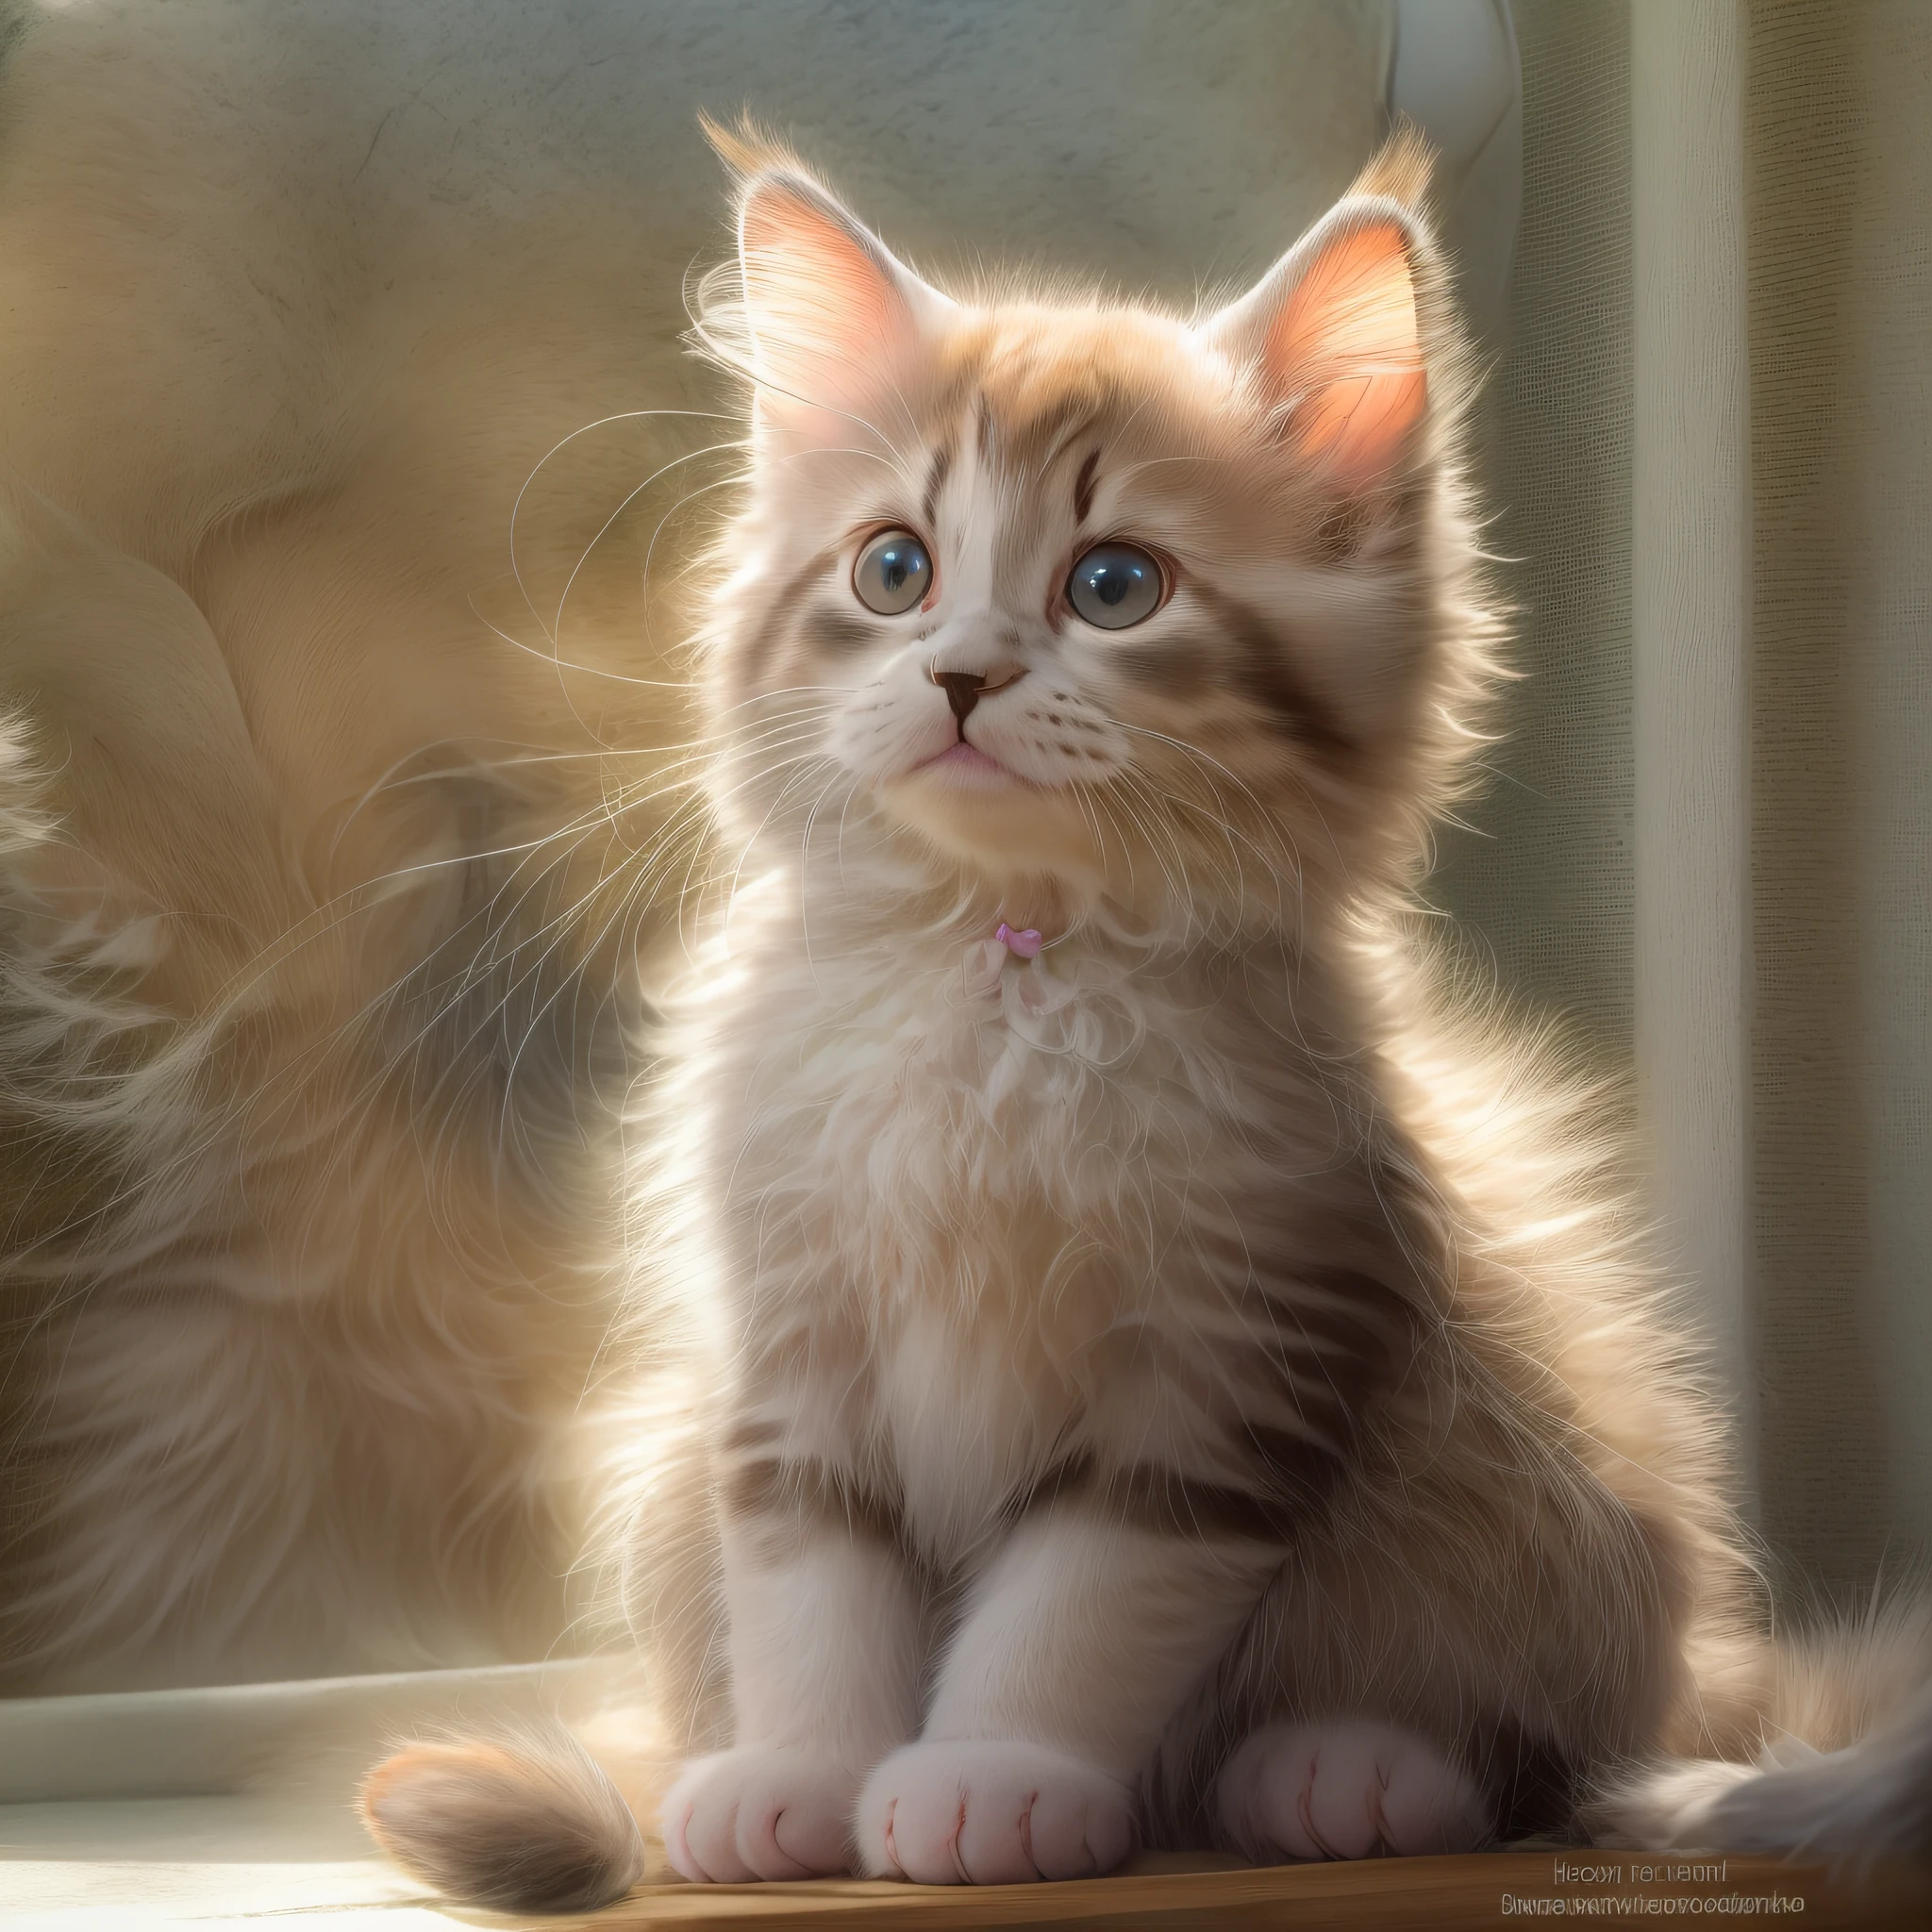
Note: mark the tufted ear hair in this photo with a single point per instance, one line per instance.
(1332, 340)
(832, 316)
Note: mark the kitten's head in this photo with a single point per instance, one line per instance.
(1065, 591)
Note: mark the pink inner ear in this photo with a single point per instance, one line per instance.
(1346, 340)
(823, 308)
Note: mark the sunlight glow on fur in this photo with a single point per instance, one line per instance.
(1207, 1384)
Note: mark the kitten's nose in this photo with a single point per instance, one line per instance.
(964, 689)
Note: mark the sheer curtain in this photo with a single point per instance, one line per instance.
(1708, 839)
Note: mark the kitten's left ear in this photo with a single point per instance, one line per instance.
(1332, 338)
(834, 315)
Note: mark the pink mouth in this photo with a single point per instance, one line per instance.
(968, 761)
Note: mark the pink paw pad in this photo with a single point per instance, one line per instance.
(1347, 1789)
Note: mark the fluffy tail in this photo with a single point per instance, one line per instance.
(1845, 1771)
(527, 1823)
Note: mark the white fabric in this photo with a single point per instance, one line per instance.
(1689, 647)
(123, 1866)
(309, 1738)
(207, 1807)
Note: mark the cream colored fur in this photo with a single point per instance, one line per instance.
(971, 1247)
(1023, 1316)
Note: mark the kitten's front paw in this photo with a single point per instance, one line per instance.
(1345, 1790)
(975, 1813)
(752, 1813)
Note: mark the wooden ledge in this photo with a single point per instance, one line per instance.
(1166, 1894)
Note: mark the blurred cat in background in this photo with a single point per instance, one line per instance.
(348, 462)
(1165, 1369)
(330, 812)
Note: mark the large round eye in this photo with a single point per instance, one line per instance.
(1115, 586)
(893, 572)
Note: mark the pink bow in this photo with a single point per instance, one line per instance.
(985, 959)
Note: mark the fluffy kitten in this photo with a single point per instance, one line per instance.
(1176, 1382)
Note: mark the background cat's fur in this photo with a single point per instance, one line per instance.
(322, 876)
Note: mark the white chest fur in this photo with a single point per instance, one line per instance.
(952, 1209)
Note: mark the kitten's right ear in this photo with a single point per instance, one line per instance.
(833, 316)
(1332, 335)
(1331, 338)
